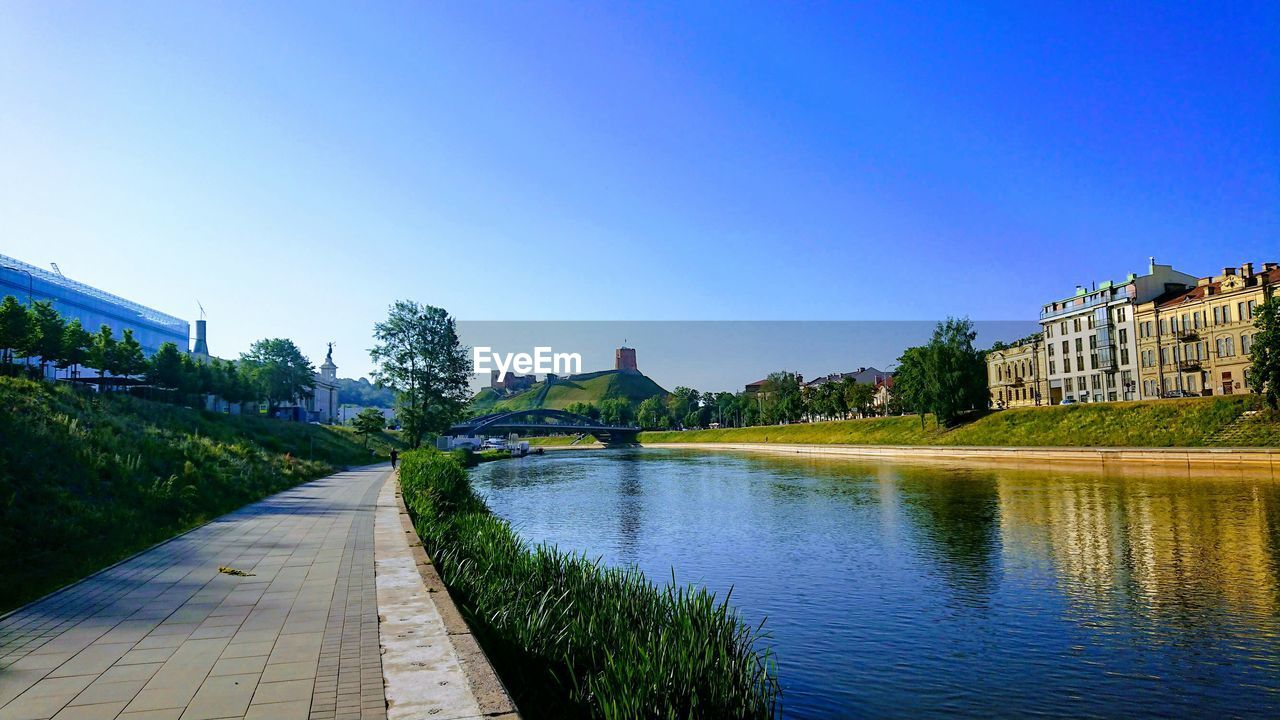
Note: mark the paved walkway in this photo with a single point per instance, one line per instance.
(165, 635)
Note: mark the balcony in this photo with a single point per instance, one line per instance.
(1188, 336)
(1188, 366)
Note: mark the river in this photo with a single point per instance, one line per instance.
(895, 590)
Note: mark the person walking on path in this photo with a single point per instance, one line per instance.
(395, 456)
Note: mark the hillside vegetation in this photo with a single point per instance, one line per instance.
(590, 388)
(89, 478)
(1193, 422)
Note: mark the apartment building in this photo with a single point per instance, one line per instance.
(1091, 352)
(1017, 375)
(1196, 341)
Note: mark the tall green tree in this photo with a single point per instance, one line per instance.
(46, 341)
(102, 351)
(128, 359)
(16, 328)
(859, 397)
(368, 421)
(616, 411)
(782, 398)
(946, 377)
(75, 347)
(418, 354)
(282, 374)
(1264, 355)
(652, 413)
(165, 367)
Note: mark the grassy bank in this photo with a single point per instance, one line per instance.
(573, 639)
(1192, 422)
(86, 479)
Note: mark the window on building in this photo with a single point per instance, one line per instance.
(1079, 362)
(1066, 364)
(1091, 323)
(1164, 326)
(1120, 314)
(1242, 312)
(1124, 336)
(1066, 347)
(1164, 356)
(1079, 345)
(1050, 350)
(1124, 356)
(1080, 383)
(1093, 361)
(1053, 370)
(1093, 342)
(1063, 327)
(1075, 324)
(1231, 346)
(1067, 384)
(1246, 342)
(1252, 307)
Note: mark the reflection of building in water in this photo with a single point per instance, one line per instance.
(1170, 545)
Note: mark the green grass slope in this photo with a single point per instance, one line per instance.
(586, 388)
(86, 479)
(1194, 422)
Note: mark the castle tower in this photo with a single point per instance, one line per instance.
(625, 360)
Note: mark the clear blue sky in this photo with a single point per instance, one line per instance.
(298, 167)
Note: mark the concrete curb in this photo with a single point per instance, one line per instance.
(1233, 462)
(490, 693)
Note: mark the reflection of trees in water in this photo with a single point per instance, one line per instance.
(1190, 555)
(630, 511)
(956, 513)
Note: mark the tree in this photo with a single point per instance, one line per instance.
(368, 422)
(280, 371)
(102, 351)
(946, 377)
(46, 338)
(165, 368)
(859, 398)
(75, 347)
(16, 328)
(616, 411)
(681, 402)
(1263, 377)
(652, 413)
(128, 359)
(418, 354)
(781, 398)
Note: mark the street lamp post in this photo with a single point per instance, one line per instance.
(30, 281)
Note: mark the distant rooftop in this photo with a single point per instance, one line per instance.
(63, 281)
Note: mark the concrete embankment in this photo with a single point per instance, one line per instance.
(1222, 462)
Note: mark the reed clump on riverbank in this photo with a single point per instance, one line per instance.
(1193, 422)
(572, 638)
(87, 478)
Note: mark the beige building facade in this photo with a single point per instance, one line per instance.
(1017, 376)
(1196, 341)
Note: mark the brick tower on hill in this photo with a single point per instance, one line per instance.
(625, 360)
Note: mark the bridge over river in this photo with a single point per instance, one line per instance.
(542, 422)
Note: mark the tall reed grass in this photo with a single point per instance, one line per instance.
(572, 638)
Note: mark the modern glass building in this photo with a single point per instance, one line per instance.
(94, 307)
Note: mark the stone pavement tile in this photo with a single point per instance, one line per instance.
(238, 665)
(292, 710)
(283, 691)
(45, 698)
(93, 659)
(39, 662)
(149, 655)
(101, 711)
(104, 692)
(221, 697)
(159, 641)
(167, 714)
(162, 698)
(289, 671)
(249, 649)
(140, 671)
